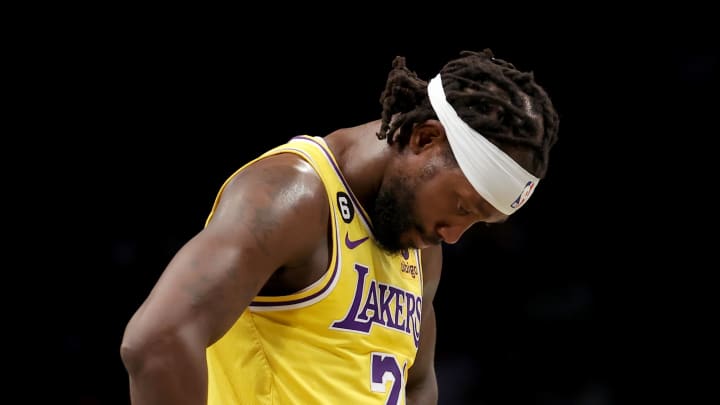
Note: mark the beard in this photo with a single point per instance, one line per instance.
(394, 211)
(393, 214)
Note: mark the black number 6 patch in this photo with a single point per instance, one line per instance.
(347, 210)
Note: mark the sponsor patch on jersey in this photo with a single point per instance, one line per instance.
(409, 271)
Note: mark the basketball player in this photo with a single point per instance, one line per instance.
(313, 279)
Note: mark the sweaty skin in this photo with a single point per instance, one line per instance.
(256, 243)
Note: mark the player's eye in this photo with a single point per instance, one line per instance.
(462, 211)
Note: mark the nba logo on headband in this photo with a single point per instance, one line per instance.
(524, 195)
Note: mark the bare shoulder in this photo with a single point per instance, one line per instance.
(281, 199)
(282, 178)
(272, 214)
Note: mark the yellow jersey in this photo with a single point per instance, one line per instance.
(347, 339)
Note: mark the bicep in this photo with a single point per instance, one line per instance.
(205, 287)
(215, 275)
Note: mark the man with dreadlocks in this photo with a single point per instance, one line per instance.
(313, 279)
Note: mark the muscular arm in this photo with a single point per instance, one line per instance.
(214, 276)
(422, 386)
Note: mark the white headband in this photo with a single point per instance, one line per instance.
(494, 175)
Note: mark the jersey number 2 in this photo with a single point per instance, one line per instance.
(384, 368)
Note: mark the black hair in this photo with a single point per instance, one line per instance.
(489, 94)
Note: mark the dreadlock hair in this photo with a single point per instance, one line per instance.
(487, 94)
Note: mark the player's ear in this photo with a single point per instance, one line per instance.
(426, 134)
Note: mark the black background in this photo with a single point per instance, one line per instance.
(563, 304)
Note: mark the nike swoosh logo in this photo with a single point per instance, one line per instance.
(352, 244)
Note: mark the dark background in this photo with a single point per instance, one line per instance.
(563, 304)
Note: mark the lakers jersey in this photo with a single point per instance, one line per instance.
(347, 339)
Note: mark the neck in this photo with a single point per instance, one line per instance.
(362, 158)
